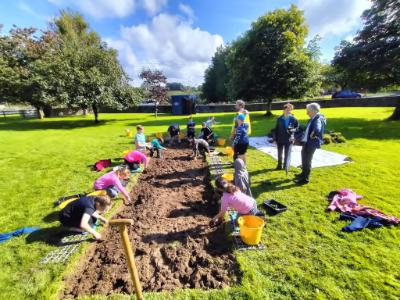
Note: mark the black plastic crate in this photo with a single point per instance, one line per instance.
(273, 207)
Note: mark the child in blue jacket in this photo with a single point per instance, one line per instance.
(241, 139)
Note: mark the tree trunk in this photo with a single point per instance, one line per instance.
(396, 114)
(39, 113)
(95, 112)
(47, 111)
(268, 113)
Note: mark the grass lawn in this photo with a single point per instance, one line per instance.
(307, 255)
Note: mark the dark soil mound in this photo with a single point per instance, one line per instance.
(173, 244)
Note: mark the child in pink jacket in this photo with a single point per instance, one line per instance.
(134, 158)
(111, 182)
(233, 198)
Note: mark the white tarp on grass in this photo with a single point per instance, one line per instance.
(321, 158)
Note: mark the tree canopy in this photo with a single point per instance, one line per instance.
(371, 60)
(268, 61)
(155, 85)
(68, 64)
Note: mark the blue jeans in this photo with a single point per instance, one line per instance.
(112, 191)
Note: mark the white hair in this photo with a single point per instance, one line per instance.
(313, 107)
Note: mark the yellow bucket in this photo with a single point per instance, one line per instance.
(227, 176)
(125, 152)
(229, 151)
(250, 229)
(221, 142)
(181, 135)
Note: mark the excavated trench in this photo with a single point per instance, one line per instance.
(174, 246)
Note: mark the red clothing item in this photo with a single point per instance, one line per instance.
(137, 157)
(346, 201)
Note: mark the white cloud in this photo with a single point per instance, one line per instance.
(170, 44)
(187, 10)
(335, 17)
(154, 6)
(101, 9)
(29, 10)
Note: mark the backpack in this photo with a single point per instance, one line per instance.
(101, 164)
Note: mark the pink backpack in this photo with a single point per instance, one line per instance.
(101, 164)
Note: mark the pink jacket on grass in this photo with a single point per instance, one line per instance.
(108, 180)
(137, 156)
(346, 201)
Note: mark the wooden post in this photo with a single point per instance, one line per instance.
(123, 230)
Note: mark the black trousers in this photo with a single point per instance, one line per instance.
(307, 154)
(132, 165)
(239, 149)
(158, 151)
(281, 148)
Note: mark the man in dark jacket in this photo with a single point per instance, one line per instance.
(174, 131)
(312, 140)
(206, 133)
(286, 126)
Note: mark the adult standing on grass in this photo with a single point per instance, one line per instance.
(311, 140)
(240, 110)
(286, 126)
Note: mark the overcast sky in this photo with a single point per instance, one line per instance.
(180, 37)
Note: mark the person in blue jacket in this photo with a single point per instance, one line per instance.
(286, 126)
(311, 140)
(191, 128)
(241, 139)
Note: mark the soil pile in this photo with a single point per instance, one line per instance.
(173, 244)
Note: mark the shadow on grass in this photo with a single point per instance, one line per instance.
(51, 217)
(51, 236)
(46, 124)
(353, 128)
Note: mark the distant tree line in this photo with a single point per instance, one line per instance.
(65, 65)
(271, 60)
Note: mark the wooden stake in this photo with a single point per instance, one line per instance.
(123, 230)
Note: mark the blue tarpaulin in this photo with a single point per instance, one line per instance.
(9, 235)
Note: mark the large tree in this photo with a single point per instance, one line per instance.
(95, 76)
(216, 77)
(270, 60)
(31, 68)
(372, 58)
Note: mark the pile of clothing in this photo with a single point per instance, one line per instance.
(345, 201)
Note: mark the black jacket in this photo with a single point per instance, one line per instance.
(282, 134)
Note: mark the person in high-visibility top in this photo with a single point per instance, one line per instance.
(239, 107)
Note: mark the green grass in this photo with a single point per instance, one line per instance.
(307, 255)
